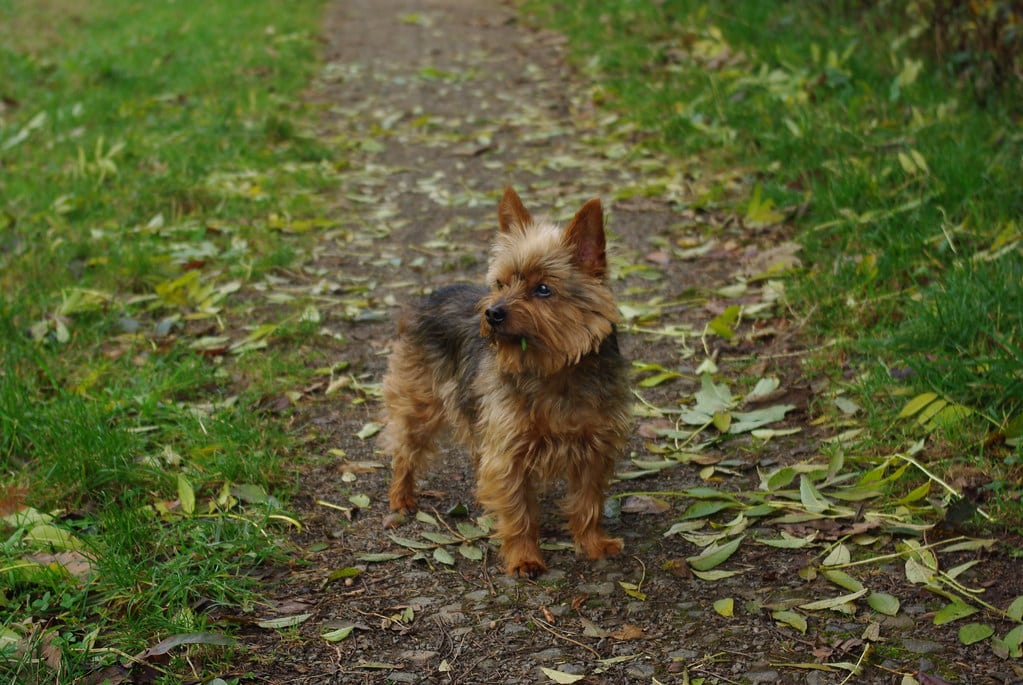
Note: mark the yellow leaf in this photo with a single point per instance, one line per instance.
(186, 495)
(906, 162)
(762, 212)
(561, 676)
(725, 606)
(919, 161)
(916, 404)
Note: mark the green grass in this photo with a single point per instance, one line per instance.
(906, 185)
(151, 153)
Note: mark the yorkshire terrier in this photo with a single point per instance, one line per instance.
(528, 375)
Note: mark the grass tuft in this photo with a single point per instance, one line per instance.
(903, 185)
(148, 152)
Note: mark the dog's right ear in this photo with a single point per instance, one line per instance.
(511, 211)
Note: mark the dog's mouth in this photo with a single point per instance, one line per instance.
(511, 339)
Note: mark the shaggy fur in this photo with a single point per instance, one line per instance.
(527, 374)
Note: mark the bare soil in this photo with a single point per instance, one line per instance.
(440, 104)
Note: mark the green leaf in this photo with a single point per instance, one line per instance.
(790, 618)
(953, 612)
(470, 531)
(917, 572)
(1015, 610)
(930, 411)
(53, 536)
(252, 494)
(439, 538)
(705, 508)
(657, 379)
(916, 494)
(443, 556)
(410, 543)
(712, 397)
(722, 324)
(338, 635)
(378, 557)
(1013, 641)
(843, 580)
(715, 555)
(839, 555)
(788, 541)
(632, 590)
(745, 421)
(916, 404)
(883, 603)
(761, 212)
(716, 574)
(560, 676)
(836, 603)
(361, 501)
(971, 545)
(370, 429)
(810, 497)
(975, 632)
(343, 573)
(781, 478)
(186, 495)
(284, 621)
(428, 519)
(470, 551)
(1014, 428)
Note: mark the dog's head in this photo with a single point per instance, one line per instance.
(549, 303)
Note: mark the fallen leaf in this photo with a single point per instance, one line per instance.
(560, 676)
(644, 504)
(725, 606)
(790, 618)
(284, 621)
(953, 611)
(338, 635)
(970, 633)
(628, 632)
(714, 555)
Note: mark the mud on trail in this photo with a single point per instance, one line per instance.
(440, 104)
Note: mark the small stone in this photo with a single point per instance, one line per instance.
(640, 670)
(767, 676)
(683, 654)
(602, 589)
(554, 575)
(921, 646)
(551, 654)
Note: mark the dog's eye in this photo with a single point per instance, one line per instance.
(543, 290)
(498, 285)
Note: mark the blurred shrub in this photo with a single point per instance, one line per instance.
(981, 40)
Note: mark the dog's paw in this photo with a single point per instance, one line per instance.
(526, 568)
(601, 547)
(402, 502)
(394, 519)
(522, 557)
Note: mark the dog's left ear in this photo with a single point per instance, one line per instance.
(585, 236)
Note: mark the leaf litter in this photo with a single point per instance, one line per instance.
(713, 388)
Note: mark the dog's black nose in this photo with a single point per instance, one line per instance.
(495, 315)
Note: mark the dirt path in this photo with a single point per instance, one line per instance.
(441, 104)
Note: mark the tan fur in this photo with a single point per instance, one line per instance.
(541, 397)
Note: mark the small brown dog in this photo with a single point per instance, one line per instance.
(528, 375)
